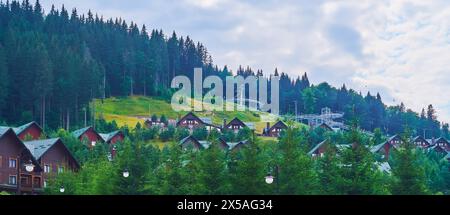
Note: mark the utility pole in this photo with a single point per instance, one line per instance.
(296, 113)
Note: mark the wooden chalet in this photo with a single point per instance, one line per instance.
(442, 142)
(438, 149)
(319, 149)
(149, 123)
(29, 131)
(192, 121)
(112, 137)
(275, 130)
(14, 158)
(237, 124)
(53, 156)
(325, 126)
(88, 134)
(421, 142)
(385, 148)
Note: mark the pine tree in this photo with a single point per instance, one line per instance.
(408, 173)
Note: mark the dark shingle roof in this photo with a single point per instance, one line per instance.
(316, 147)
(39, 147)
(107, 137)
(79, 132)
(21, 128)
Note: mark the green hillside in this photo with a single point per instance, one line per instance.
(130, 110)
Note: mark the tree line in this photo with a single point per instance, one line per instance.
(170, 170)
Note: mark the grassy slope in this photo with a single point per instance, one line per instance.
(126, 111)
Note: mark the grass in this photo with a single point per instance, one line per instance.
(130, 110)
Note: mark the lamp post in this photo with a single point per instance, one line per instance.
(125, 173)
(269, 178)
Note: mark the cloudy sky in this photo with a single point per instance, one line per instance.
(400, 48)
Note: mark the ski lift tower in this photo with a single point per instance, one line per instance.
(326, 116)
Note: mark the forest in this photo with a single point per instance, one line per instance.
(171, 170)
(53, 65)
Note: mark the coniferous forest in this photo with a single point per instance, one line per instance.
(52, 65)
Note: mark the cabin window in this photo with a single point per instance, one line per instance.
(12, 163)
(93, 143)
(45, 183)
(46, 168)
(12, 180)
(60, 169)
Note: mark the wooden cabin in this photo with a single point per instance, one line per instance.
(88, 134)
(53, 156)
(112, 137)
(14, 157)
(319, 149)
(191, 121)
(421, 142)
(236, 124)
(275, 130)
(31, 130)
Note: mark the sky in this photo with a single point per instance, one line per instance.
(399, 48)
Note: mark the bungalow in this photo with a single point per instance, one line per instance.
(237, 124)
(19, 170)
(53, 156)
(275, 130)
(192, 121)
(88, 134)
(30, 130)
(421, 142)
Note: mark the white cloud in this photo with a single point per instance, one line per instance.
(399, 48)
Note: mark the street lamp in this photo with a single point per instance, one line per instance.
(269, 178)
(29, 167)
(62, 189)
(125, 173)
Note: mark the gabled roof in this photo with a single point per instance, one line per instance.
(420, 138)
(236, 144)
(192, 138)
(377, 148)
(278, 124)
(20, 129)
(6, 130)
(204, 120)
(39, 147)
(79, 132)
(3, 130)
(437, 148)
(108, 136)
(315, 148)
(250, 125)
(326, 126)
